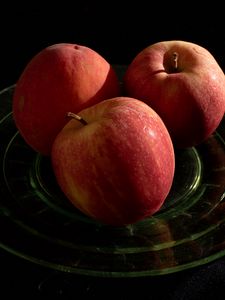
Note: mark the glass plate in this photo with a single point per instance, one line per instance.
(39, 224)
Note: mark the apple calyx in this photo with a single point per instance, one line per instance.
(175, 61)
(171, 62)
(76, 117)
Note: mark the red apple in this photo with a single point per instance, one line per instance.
(60, 78)
(184, 84)
(117, 164)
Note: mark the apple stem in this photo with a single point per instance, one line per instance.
(175, 60)
(77, 117)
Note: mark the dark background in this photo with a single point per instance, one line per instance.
(118, 31)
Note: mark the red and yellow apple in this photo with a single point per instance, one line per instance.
(115, 161)
(62, 77)
(184, 84)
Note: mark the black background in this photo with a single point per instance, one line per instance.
(118, 31)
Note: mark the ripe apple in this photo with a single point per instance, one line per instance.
(115, 162)
(184, 84)
(60, 78)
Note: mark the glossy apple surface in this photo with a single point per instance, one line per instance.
(119, 167)
(60, 78)
(184, 84)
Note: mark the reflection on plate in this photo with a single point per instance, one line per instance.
(39, 224)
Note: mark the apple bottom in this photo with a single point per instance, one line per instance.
(109, 192)
(60, 78)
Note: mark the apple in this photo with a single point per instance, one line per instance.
(184, 84)
(60, 78)
(115, 161)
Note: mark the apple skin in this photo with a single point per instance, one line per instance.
(190, 98)
(119, 168)
(60, 78)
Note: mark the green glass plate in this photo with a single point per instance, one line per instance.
(37, 222)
